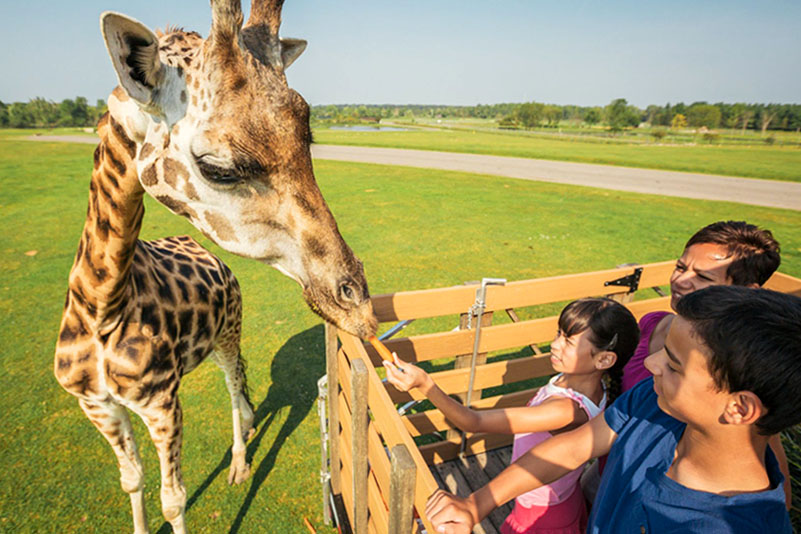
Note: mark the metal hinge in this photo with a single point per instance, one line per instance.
(632, 281)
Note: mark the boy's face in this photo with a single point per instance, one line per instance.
(685, 388)
(701, 265)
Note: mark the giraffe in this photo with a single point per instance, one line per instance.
(211, 130)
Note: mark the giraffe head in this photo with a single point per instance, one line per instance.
(223, 141)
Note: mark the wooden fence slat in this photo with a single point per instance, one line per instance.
(401, 492)
(443, 451)
(493, 338)
(784, 283)
(392, 429)
(359, 420)
(458, 299)
(433, 420)
(489, 375)
(332, 372)
(379, 462)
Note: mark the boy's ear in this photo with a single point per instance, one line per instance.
(134, 53)
(743, 408)
(605, 359)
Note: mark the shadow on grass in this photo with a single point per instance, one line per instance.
(296, 367)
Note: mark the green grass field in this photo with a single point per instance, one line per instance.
(775, 163)
(412, 228)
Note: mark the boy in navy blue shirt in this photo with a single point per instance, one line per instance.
(687, 448)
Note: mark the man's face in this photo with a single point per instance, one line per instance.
(685, 388)
(702, 265)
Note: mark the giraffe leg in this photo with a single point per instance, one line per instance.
(164, 421)
(233, 366)
(112, 421)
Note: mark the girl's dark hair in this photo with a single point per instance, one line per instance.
(612, 327)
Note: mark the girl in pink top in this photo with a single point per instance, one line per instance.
(596, 337)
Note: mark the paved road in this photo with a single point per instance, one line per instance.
(770, 193)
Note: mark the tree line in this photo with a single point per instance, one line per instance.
(41, 113)
(617, 115)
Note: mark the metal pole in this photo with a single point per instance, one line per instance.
(478, 310)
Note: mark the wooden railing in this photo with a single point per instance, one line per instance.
(381, 474)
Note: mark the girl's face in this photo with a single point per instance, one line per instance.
(574, 354)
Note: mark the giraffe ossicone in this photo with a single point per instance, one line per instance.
(211, 130)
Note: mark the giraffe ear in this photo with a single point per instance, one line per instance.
(291, 49)
(134, 53)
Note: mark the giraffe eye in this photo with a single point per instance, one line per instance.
(217, 174)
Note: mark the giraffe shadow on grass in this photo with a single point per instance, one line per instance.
(295, 369)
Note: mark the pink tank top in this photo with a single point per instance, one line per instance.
(559, 490)
(635, 370)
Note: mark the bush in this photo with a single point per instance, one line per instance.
(711, 137)
(658, 134)
(769, 140)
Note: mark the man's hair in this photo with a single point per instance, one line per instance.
(755, 251)
(753, 337)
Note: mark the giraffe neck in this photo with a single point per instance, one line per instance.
(99, 277)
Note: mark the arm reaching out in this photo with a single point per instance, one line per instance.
(557, 413)
(546, 462)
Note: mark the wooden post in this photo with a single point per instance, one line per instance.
(333, 406)
(358, 385)
(401, 490)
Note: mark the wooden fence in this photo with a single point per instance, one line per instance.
(375, 466)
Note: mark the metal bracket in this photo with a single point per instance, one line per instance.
(632, 281)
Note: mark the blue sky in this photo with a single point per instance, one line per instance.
(452, 52)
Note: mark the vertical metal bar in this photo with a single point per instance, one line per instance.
(358, 384)
(325, 475)
(401, 490)
(332, 372)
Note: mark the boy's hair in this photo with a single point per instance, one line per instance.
(755, 251)
(612, 327)
(753, 337)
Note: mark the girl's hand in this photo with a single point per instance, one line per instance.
(405, 376)
(450, 514)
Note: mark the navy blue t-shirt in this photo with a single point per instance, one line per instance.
(637, 496)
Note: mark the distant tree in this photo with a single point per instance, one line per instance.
(552, 115)
(592, 116)
(766, 116)
(620, 115)
(44, 113)
(703, 114)
(679, 121)
(19, 116)
(530, 114)
(3, 115)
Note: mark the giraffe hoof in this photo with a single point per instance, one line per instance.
(249, 434)
(237, 475)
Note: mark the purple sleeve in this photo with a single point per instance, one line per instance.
(635, 370)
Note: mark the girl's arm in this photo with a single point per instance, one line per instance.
(544, 463)
(554, 414)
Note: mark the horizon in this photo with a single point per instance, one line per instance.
(455, 53)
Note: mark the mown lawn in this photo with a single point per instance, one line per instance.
(775, 163)
(413, 228)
